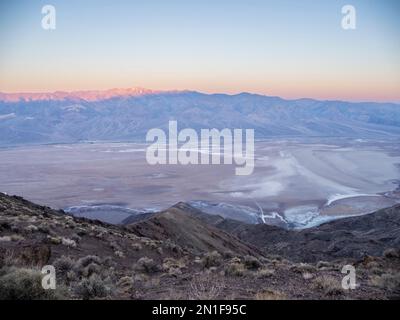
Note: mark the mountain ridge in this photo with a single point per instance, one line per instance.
(129, 118)
(105, 94)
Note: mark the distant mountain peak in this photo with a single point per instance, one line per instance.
(87, 95)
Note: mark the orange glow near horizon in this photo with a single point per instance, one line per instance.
(272, 47)
(379, 91)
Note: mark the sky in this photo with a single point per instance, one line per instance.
(287, 48)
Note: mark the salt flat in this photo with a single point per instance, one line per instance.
(303, 182)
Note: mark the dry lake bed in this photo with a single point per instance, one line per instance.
(295, 183)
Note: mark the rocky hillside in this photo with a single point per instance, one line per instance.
(184, 229)
(353, 237)
(175, 254)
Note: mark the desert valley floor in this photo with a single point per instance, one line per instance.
(296, 183)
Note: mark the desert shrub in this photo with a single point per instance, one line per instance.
(206, 287)
(151, 283)
(89, 265)
(10, 259)
(265, 273)
(125, 283)
(90, 269)
(329, 285)
(81, 232)
(174, 271)
(24, 284)
(68, 242)
(303, 268)
(169, 245)
(119, 254)
(63, 265)
(54, 240)
(212, 259)
(136, 246)
(211, 270)
(270, 295)
(140, 277)
(388, 281)
(372, 265)
(235, 269)
(75, 237)
(17, 237)
(147, 265)
(252, 262)
(85, 261)
(115, 246)
(236, 259)
(391, 253)
(31, 228)
(108, 262)
(323, 264)
(307, 276)
(152, 245)
(44, 228)
(173, 264)
(92, 288)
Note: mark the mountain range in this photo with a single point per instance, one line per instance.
(127, 115)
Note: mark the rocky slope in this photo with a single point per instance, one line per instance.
(175, 254)
(353, 237)
(184, 229)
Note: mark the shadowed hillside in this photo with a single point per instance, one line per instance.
(175, 255)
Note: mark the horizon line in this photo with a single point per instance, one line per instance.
(142, 91)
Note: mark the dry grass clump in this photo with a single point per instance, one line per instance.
(146, 265)
(212, 259)
(125, 284)
(235, 268)
(89, 277)
(270, 295)
(85, 261)
(329, 285)
(93, 287)
(119, 254)
(5, 239)
(307, 276)
(54, 240)
(68, 242)
(265, 273)
(173, 247)
(388, 281)
(25, 284)
(303, 268)
(323, 265)
(31, 228)
(206, 286)
(173, 266)
(63, 266)
(252, 263)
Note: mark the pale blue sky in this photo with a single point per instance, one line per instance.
(291, 48)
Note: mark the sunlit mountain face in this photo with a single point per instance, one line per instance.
(125, 114)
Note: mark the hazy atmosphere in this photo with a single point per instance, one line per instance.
(199, 150)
